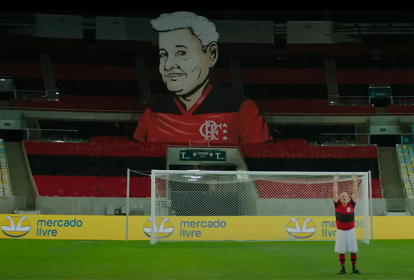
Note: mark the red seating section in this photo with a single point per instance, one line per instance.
(376, 188)
(401, 109)
(140, 187)
(119, 103)
(79, 186)
(92, 186)
(284, 149)
(112, 139)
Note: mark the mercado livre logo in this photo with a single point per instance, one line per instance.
(51, 227)
(15, 226)
(163, 227)
(18, 226)
(301, 227)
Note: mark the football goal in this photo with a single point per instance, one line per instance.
(244, 205)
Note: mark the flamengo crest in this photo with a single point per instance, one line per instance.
(210, 130)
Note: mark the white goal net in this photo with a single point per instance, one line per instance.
(243, 205)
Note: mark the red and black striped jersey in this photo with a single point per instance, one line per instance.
(345, 217)
(219, 116)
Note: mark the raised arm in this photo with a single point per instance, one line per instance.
(335, 187)
(354, 187)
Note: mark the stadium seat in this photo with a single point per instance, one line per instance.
(84, 155)
(5, 186)
(91, 186)
(118, 104)
(401, 109)
(405, 154)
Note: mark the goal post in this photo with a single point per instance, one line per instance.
(249, 205)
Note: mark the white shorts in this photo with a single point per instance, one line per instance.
(346, 241)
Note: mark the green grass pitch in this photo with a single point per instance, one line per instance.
(54, 259)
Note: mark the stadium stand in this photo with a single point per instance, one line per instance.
(84, 103)
(355, 73)
(318, 134)
(310, 106)
(85, 186)
(406, 162)
(400, 109)
(117, 131)
(5, 186)
(62, 169)
(85, 130)
(267, 106)
(278, 86)
(106, 81)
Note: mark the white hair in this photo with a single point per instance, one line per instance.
(201, 27)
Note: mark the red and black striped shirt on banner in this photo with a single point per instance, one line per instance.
(345, 217)
(219, 116)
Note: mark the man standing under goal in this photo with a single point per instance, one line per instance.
(345, 223)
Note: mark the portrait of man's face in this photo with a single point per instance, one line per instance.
(183, 63)
(197, 109)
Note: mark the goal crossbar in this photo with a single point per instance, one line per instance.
(254, 172)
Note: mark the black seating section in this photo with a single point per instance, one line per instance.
(317, 134)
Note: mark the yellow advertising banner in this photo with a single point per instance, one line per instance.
(62, 227)
(176, 228)
(393, 227)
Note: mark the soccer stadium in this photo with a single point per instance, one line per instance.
(230, 144)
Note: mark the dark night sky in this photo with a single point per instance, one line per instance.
(374, 16)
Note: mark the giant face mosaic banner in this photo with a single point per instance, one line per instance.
(196, 109)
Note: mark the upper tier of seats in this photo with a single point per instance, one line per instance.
(84, 103)
(103, 81)
(309, 106)
(319, 134)
(283, 149)
(117, 104)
